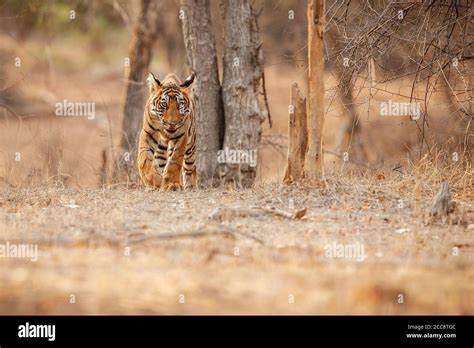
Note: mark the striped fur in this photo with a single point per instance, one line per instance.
(167, 144)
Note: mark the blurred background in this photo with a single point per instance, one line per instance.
(77, 51)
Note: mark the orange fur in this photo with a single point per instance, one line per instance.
(167, 144)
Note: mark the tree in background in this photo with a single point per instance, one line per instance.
(144, 35)
(201, 55)
(242, 76)
(228, 119)
(227, 116)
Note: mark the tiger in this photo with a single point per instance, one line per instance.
(167, 140)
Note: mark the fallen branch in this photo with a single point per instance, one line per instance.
(227, 213)
(203, 231)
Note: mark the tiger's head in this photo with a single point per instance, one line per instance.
(169, 102)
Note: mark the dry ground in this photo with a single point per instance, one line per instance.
(119, 250)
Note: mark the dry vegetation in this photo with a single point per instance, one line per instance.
(176, 249)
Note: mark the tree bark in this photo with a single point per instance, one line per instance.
(201, 55)
(242, 76)
(316, 23)
(298, 137)
(144, 36)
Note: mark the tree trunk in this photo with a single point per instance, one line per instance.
(298, 137)
(202, 57)
(316, 23)
(144, 36)
(242, 75)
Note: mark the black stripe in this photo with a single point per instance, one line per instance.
(191, 150)
(177, 137)
(149, 125)
(152, 138)
(189, 163)
(191, 142)
(161, 157)
(191, 128)
(168, 89)
(145, 150)
(162, 147)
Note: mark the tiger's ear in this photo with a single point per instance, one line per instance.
(188, 81)
(153, 83)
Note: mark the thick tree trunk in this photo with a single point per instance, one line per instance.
(202, 57)
(242, 76)
(144, 36)
(298, 137)
(316, 23)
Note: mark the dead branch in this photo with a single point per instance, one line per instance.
(203, 231)
(228, 213)
(265, 98)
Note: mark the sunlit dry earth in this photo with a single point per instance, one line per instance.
(118, 250)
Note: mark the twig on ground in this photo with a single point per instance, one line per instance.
(225, 213)
(203, 231)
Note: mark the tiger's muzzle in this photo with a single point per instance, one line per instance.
(173, 126)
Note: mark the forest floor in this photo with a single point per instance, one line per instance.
(267, 250)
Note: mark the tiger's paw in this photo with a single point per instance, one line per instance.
(190, 187)
(171, 186)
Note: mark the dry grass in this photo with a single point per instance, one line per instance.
(83, 236)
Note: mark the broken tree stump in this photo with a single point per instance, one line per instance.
(297, 136)
(442, 205)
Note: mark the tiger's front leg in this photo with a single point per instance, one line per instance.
(172, 172)
(190, 177)
(147, 166)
